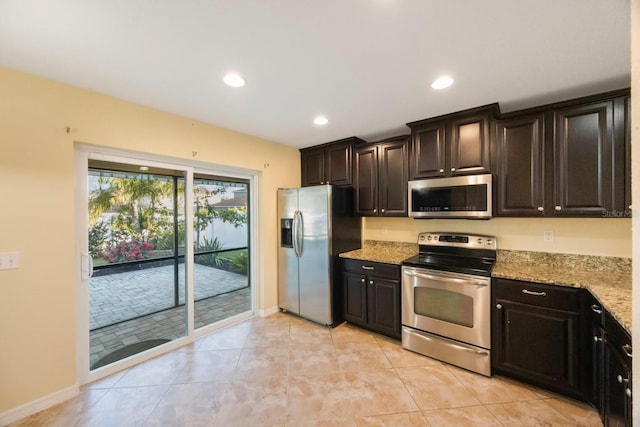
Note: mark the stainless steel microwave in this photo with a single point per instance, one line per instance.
(458, 197)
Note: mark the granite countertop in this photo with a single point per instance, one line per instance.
(379, 251)
(608, 278)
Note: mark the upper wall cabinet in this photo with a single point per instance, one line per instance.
(520, 164)
(329, 163)
(627, 154)
(381, 174)
(565, 159)
(583, 149)
(455, 144)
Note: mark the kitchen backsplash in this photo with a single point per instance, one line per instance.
(585, 236)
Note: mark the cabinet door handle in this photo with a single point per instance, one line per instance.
(596, 339)
(382, 210)
(540, 209)
(622, 380)
(321, 182)
(499, 306)
(366, 267)
(371, 282)
(558, 208)
(627, 391)
(441, 170)
(362, 280)
(626, 349)
(596, 309)
(375, 210)
(534, 293)
(453, 169)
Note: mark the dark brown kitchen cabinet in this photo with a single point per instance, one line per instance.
(372, 296)
(381, 174)
(626, 124)
(520, 166)
(583, 149)
(609, 355)
(329, 163)
(564, 159)
(535, 334)
(592, 353)
(451, 145)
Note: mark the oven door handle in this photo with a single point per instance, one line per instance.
(442, 278)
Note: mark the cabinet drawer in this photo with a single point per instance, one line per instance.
(618, 338)
(539, 294)
(378, 269)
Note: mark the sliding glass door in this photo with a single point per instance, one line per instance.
(136, 240)
(168, 257)
(221, 248)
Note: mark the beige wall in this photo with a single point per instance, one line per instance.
(594, 236)
(37, 301)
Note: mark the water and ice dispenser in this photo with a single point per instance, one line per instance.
(286, 232)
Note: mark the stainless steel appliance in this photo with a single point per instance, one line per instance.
(467, 197)
(446, 298)
(315, 225)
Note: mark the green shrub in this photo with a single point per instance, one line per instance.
(240, 263)
(212, 259)
(97, 238)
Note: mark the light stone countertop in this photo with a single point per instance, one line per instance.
(608, 278)
(380, 251)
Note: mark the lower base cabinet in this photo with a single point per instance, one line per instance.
(616, 388)
(563, 340)
(535, 334)
(372, 296)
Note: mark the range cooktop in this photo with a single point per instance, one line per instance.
(455, 252)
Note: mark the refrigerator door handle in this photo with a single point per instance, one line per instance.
(297, 233)
(294, 232)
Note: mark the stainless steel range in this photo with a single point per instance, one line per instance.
(446, 297)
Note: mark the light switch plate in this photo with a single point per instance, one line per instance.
(547, 236)
(9, 260)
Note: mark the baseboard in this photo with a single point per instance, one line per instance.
(30, 408)
(268, 312)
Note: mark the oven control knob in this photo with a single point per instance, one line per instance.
(489, 241)
(422, 237)
(429, 237)
(479, 241)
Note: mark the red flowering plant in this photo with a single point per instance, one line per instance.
(123, 251)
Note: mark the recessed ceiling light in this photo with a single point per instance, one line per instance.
(321, 120)
(234, 80)
(442, 82)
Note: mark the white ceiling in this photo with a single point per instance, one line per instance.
(365, 64)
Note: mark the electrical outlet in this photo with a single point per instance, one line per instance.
(9, 260)
(547, 236)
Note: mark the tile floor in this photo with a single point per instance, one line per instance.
(284, 371)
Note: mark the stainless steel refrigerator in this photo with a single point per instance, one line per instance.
(315, 225)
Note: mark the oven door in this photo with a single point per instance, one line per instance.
(452, 305)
